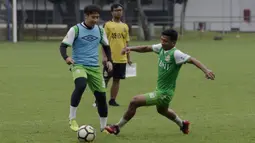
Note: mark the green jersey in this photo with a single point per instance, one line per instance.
(169, 65)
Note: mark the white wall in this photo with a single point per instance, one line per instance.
(217, 14)
(250, 4)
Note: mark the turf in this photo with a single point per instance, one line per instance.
(36, 85)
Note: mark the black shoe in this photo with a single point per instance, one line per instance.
(113, 103)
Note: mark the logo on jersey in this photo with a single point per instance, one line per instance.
(162, 64)
(117, 36)
(167, 58)
(90, 38)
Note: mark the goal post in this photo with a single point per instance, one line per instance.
(14, 21)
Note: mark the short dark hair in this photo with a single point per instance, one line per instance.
(172, 34)
(116, 5)
(92, 9)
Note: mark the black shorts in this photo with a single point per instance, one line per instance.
(118, 71)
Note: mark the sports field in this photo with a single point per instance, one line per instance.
(35, 88)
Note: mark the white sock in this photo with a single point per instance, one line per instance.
(103, 122)
(122, 122)
(72, 114)
(178, 121)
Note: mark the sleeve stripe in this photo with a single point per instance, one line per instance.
(104, 40)
(101, 34)
(76, 29)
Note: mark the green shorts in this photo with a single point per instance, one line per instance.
(158, 98)
(93, 75)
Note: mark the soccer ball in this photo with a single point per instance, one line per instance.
(86, 133)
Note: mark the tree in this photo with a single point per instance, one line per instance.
(143, 21)
(68, 9)
(22, 20)
(117, 1)
(184, 6)
(170, 7)
(58, 11)
(129, 13)
(72, 12)
(101, 3)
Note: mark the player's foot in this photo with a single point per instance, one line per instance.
(113, 129)
(73, 125)
(109, 129)
(113, 103)
(185, 127)
(105, 131)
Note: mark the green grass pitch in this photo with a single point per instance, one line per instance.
(35, 88)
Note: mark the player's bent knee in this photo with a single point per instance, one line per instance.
(100, 97)
(133, 101)
(80, 83)
(138, 101)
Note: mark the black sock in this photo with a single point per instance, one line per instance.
(101, 103)
(80, 85)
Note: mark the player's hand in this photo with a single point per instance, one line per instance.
(129, 62)
(109, 66)
(69, 61)
(104, 60)
(125, 51)
(209, 74)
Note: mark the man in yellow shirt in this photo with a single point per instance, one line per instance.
(118, 36)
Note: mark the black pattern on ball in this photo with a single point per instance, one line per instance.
(89, 132)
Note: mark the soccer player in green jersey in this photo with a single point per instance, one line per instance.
(170, 61)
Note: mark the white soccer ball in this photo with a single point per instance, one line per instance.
(86, 133)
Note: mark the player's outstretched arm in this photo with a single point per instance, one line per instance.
(208, 73)
(139, 49)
